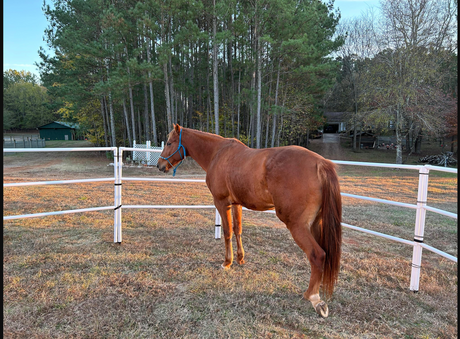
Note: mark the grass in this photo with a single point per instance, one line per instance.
(63, 277)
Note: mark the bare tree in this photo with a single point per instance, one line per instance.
(359, 45)
(403, 77)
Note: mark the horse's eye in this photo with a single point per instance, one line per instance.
(168, 144)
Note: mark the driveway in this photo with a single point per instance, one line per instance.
(328, 146)
(331, 138)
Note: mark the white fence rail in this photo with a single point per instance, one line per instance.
(421, 207)
(55, 182)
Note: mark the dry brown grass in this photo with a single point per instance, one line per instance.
(63, 277)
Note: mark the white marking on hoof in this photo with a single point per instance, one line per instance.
(322, 309)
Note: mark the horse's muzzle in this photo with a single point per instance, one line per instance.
(162, 168)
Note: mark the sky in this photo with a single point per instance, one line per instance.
(24, 24)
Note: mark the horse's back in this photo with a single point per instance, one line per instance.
(262, 179)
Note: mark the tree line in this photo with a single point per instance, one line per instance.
(254, 70)
(263, 71)
(26, 104)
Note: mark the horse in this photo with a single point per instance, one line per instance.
(300, 185)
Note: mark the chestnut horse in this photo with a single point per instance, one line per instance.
(301, 186)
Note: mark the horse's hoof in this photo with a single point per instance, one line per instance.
(241, 262)
(322, 309)
(225, 267)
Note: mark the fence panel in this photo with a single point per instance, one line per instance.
(55, 182)
(421, 207)
(148, 158)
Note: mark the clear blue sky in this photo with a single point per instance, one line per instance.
(23, 28)
(24, 24)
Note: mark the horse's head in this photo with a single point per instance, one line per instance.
(174, 152)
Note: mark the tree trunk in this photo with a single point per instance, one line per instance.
(131, 105)
(239, 106)
(152, 111)
(259, 98)
(168, 102)
(418, 144)
(355, 131)
(139, 126)
(104, 122)
(112, 121)
(152, 107)
(360, 136)
(125, 113)
(280, 129)
(146, 114)
(259, 78)
(208, 103)
(266, 130)
(276, 103)
(107, 118)
(398, 123)
(166, 77)
(232, 82)
(214, 70)
(171, 93)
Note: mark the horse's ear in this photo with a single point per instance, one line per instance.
(177, 128)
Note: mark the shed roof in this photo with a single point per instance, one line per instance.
(60, 124)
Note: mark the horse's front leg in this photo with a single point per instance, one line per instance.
(237, 229)
(226, 216)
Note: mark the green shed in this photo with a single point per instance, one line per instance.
(58, 130)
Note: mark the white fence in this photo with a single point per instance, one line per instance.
(148, 158)
(421, 207)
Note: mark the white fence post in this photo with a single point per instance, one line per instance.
(419, 228)
(120, 166)
(149, 154)
(117, 197)
(218, 225)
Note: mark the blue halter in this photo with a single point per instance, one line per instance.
(177, 150)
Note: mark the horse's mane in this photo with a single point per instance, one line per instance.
(210, 135)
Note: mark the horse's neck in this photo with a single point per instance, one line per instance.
(201, 146)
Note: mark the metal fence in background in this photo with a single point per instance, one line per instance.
(24, 142)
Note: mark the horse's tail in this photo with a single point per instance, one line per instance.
(327, 228)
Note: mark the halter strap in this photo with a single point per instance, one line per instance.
(177, 150)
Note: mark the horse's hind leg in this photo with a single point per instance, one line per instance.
(316, 255)
(237, 229)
